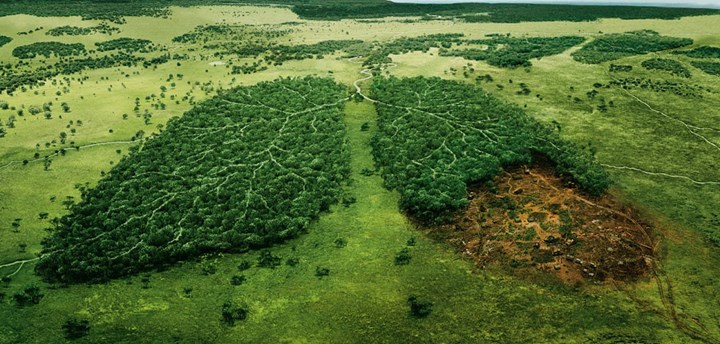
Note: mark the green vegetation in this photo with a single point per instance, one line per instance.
(48, 49)
(128, 45)
(29, 296)
(667, 65)
(512, 52)
(615, 46)
(87, 9)
(430, 148)
(409, 44)
(677, 88)
(15, 78)
(232, 312)
(712, 68)
(76, 328)
(246, 169)
(349, 253)
(4, 40)
(102, 28)
(620, 68)
(704, 52)
(280, 53)
(498, 50)
(492, 13)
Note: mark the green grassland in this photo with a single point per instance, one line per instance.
(672, 180)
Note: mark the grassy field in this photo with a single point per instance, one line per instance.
(363, 299)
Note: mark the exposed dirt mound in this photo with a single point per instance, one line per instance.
(528, 218)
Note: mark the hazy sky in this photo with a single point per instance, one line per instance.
(675, 3)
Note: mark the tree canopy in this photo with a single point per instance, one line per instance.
(436, 136)
(246, 169)
(618, 45)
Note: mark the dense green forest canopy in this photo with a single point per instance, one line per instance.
(248, 168)
(347, 9)
(704, 52)
(494, 13)
(498, 50)
(436, 136)
(615, 46)
(126, 44)
(102, 28)
(48, 49)
(512, 52)
(4, 40)
(712, 68)
(667, 65)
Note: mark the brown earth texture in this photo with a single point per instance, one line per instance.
(530, 220)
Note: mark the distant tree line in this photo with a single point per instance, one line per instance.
(128, 45)
(704, 52)
(102, 28)
(512, 52)
(493, 13)
(712, 68)
(408, 44)
(615, 46)
(13, 78)
(677, 88)
(48, 49)
(667, 65)
(347, 9)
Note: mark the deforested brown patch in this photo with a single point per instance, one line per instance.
(531, 220)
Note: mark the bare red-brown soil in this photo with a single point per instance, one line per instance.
(529, 219)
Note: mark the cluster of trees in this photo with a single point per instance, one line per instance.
(4, 40)
(408, 44)
(246, 169)
(667, 65)
(48, 49)
(230, 36)
(712, 68)
(277, 54)
(615, 46)
(620, 68)
(677, 88)
(436, 136)
(495, 13)
(203, 33)
(511, 52)
(499, 50)
(704, 52)
(111, 11)
(128, 45)
(280, 53)
(103, 28)
(12, 78)
(249, 68)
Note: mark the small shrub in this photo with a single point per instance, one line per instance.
(322, 272)
(237, 279)
(268, 260)
(76, 328)
(340, 242)
(403, 257)
(232, 312)
(419, 309)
